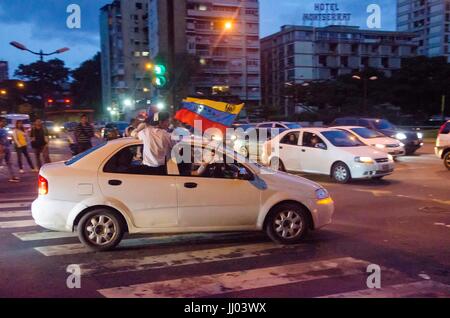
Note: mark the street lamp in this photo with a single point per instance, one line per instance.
(228, 25)
(365, 80)
(41, 53)
(3, 92)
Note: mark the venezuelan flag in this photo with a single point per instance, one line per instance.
(212, 114)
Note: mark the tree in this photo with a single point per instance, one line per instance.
(45, 77)
(86, 87)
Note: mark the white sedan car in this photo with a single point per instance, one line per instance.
(375, 139)
(106, 192)
(332, 152)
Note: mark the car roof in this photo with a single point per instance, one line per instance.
(348, 127)
(313, 129)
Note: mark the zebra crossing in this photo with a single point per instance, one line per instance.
(142, 256)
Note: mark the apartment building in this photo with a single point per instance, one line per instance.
(125, 53)
(223, 35)
(430, 21)
(299, 54)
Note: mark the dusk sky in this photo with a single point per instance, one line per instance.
(42, 24)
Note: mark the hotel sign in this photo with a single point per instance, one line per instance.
(327, 12)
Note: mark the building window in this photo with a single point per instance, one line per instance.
(138, 5)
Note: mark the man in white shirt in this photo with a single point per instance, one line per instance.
(157, 142)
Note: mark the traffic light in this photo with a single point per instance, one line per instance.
(159, 76)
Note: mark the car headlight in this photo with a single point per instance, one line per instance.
(57, 129)
(380, 146)
(402, 144)
(323, 197)
(420, 135)
(391, 158)
(322, 194)
(401, 136)
(10, 132)
(367, 160)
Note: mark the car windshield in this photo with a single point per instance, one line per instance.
(293, 126)
(342, 139)
(84, 154)
(367, 133)
(383, 125)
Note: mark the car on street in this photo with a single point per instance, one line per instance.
(107, 191)
(443, 144)
(412, 140)
(54, 130)
(375, 139)
(250, 142)
(325, 151)
(114, 130)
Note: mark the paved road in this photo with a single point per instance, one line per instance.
(401, 224)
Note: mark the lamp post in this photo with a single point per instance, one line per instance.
(365, 80)
(41, 55)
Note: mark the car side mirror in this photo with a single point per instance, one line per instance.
(244, 174)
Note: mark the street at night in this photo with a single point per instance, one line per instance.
(401, 224)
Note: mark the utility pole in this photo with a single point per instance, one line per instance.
(171, 50)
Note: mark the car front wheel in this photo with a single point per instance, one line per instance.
(287, 224)
(447, 160)
(340, 173)
(100, 230)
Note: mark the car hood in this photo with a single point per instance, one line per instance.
(383, 141)
(365, 151)
(285, 181)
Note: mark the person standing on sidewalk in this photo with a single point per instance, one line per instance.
(21, 144)
(39, 142)
(84, 132)
(5, 152)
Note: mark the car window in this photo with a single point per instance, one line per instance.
(364, 123)
(312, 140)
(341, 138)
(291, 139)
(215, 165)
(265, 126)
(293, 126)
(279, 126)
(129, 161)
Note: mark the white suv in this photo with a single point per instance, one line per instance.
(443, 144)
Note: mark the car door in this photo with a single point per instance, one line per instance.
(214, 201)
(151, 199)
(290, 151)
(314, 154)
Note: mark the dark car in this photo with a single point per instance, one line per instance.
(114, 130)
(411, 139)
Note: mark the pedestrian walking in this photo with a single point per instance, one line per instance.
(40, 143)
(5, 151)
(21, 145)
(84, 132)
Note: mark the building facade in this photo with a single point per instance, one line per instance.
(4, 72)
(301, 54)
(221, 35)
(430, 21)
(125, 54)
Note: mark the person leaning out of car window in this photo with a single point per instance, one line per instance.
(21, 144)
(40, 142)
(157, 142)
(84, 132)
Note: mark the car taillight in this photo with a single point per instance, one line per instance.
(43, 186)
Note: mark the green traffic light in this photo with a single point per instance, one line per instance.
(159, 81)
(160, 69)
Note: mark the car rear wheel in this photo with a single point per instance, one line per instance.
(287, 224)
(100, 230)
(447, 160)
(340, 173)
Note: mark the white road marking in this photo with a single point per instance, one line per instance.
(13, 205)
(181, 259)
(416, 290)
(15, 214)
(42, 235)
(219, 284)
(71, 249)
(17, 224)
